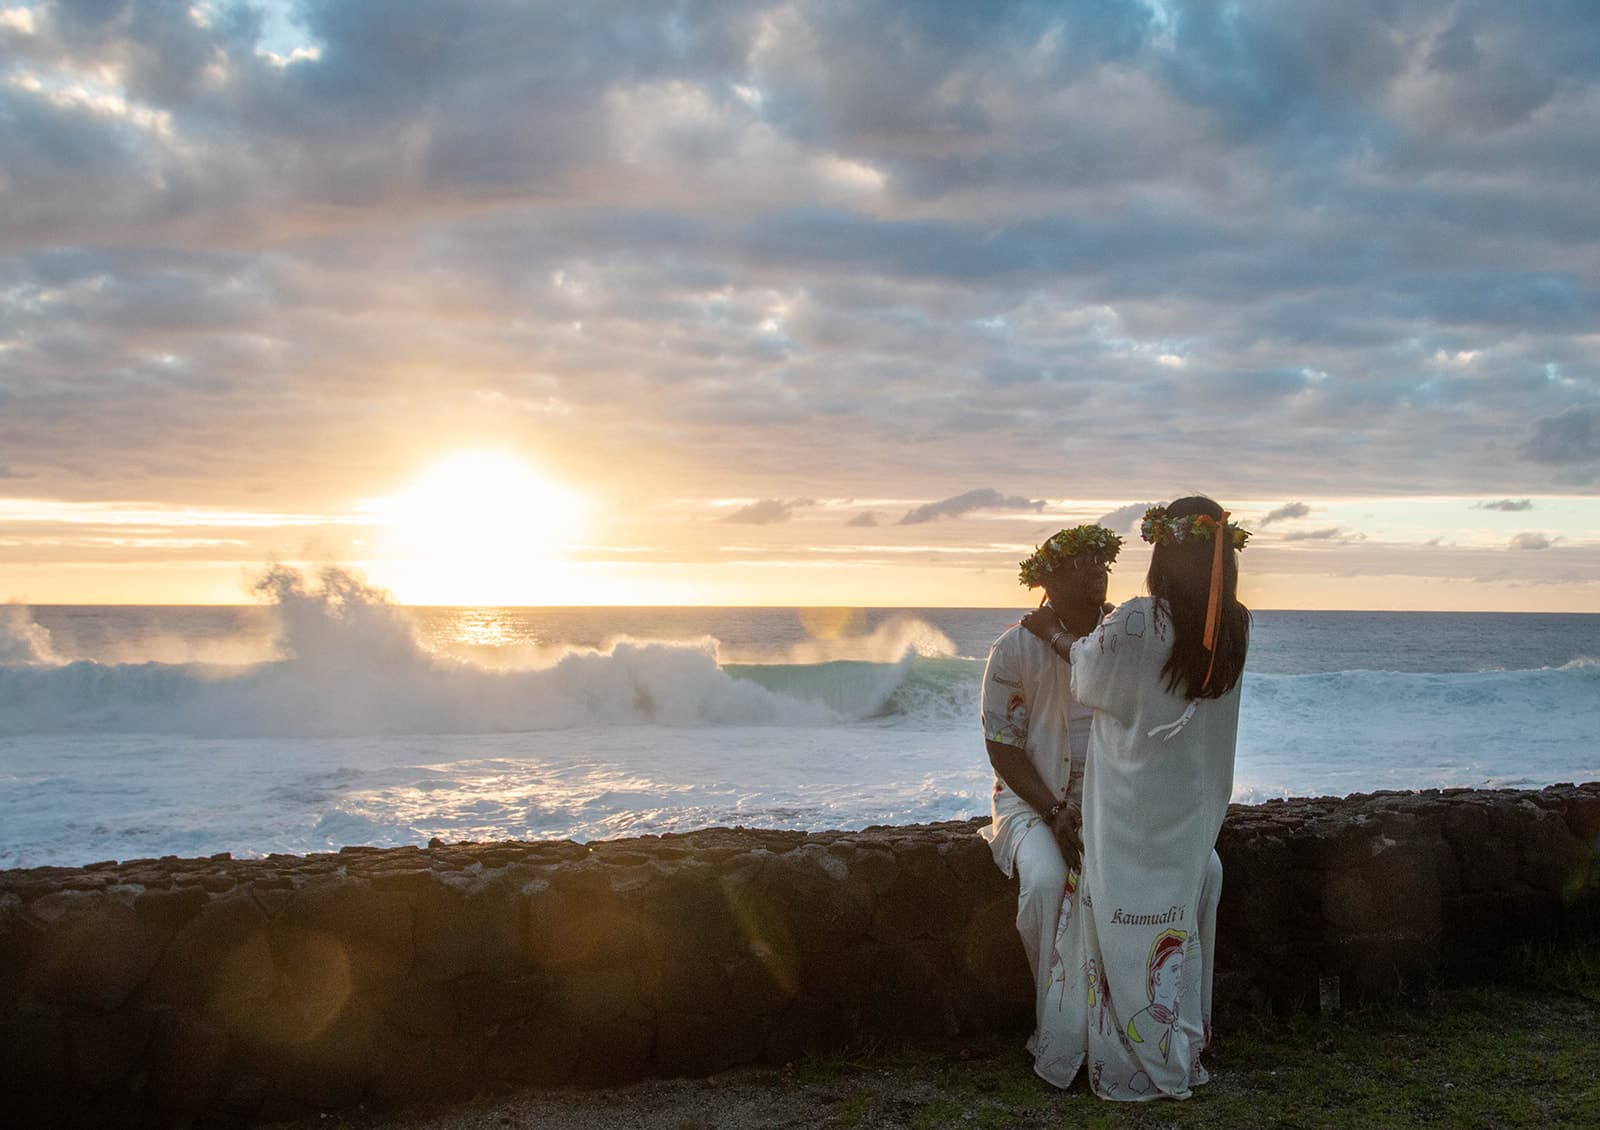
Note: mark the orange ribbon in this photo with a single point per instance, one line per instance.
(1214, 598)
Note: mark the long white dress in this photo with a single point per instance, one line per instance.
(1130, 992)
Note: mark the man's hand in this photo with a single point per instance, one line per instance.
(1042, 622)
(1068, 827)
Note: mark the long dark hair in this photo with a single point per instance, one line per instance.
(1180, 580)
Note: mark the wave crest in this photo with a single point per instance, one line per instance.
(351, 662)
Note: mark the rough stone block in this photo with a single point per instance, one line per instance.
(332, 1066)
(373, 928)
(93, 949)
(597, 993)
(616, 1049)
(425, 1070)
(702, 1043)
(580, 920)
(543, 1051)
(810, 1027)
(35, 1058)
(18, 936)
(105, 1051)
(692, 983)
(421, 1008)
(187, 1053)
(464, 928)
(991, 959)
(200, 961)
(170, 909)
(490, 1002)
(764, 986)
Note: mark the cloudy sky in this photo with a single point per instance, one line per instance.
(825, 301)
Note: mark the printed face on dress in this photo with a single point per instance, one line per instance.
(1166, 981)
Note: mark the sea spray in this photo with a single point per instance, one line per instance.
(352, 663)
(23, 642)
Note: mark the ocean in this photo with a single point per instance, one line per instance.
(332, 718)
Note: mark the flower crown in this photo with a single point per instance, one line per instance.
(1160, 528)
(1095, 543)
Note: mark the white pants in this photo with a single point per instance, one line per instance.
(1041, 881)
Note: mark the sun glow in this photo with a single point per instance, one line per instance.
(480, 527)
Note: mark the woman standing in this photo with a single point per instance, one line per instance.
(1131, 988)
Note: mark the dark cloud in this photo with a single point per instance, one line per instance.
(1509, 505)
(972, 500)
(838, 244)
(865, 518)
(1287, 510)
(1572, 436)
(1328, 534)
(767, 511)
(1531, 541)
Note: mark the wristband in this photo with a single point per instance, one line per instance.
(1055, 810)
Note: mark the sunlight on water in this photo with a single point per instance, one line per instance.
(483, 627)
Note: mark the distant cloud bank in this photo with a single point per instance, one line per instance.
(972, 500)
(1288, 510)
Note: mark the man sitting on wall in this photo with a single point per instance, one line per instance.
(1037, 737)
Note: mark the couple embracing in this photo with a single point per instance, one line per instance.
(1112, 734)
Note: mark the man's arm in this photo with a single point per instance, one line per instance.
(1045, 624)
(1015, 768)
(1005, 728)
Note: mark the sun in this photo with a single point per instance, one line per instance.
(479, 527)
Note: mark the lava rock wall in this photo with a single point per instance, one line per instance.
(232, 991)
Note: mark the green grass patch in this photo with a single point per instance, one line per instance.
(1522, 1049)
(1518, 1047)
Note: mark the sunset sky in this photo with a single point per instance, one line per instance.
(843, 303)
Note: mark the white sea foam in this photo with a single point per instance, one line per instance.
(354, 664)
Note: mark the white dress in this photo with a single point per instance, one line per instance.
(1130, 993)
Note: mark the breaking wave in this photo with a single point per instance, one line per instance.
(350, 662)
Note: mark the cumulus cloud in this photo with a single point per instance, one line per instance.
(1571, 436)
(236, 249)
(766, 511)
(972, 500)
(1510, 505)
(1288, 510)
(1531, 541)
(1124, 518)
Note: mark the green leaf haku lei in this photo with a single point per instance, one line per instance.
(1096, 543)
(1160, 529)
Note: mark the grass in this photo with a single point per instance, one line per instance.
(1522, 1051)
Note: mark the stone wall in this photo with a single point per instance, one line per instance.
(241, 990)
